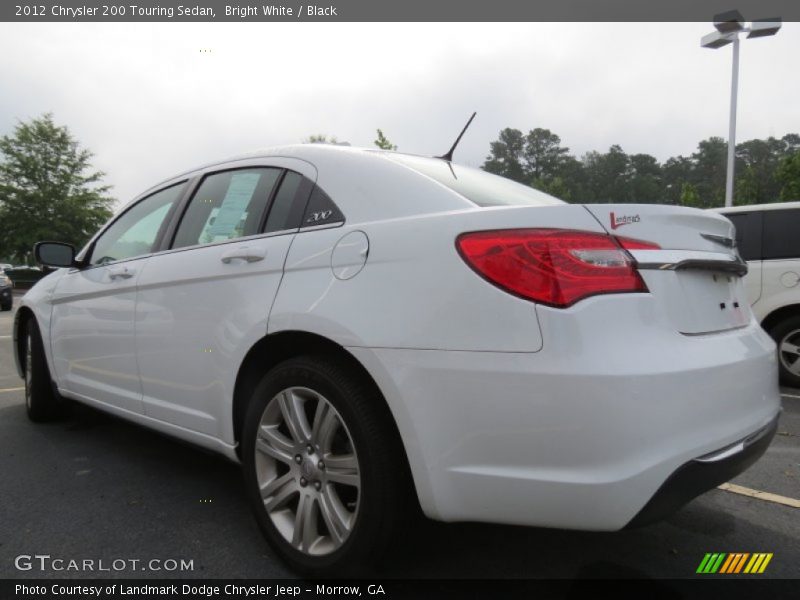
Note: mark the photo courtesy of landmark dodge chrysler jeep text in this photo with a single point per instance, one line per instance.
(364, 329)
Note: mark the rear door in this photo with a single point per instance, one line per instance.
(205, 299)
(92, 326)
(781, 256)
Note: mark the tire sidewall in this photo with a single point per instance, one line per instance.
(778, 332)
(327, 382)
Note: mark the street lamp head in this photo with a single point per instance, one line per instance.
(715, 39)
(765, 27)
(729, 21)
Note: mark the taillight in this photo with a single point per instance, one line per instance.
(557, 267)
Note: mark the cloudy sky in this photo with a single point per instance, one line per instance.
(149, 103)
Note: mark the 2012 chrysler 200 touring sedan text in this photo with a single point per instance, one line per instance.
(365, 329)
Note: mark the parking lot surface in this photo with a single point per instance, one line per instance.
(95, 487)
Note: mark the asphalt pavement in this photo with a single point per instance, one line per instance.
(97, 488)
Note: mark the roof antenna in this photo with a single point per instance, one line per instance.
(449, 156)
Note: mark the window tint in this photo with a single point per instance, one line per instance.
(226, 206)
(748, 234)
(479, 187)
(781, 234)
(135, 232)
(321, 210)
(287, 208)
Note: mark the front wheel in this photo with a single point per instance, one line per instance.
(41, 400)
(323, 467)
(787, 335)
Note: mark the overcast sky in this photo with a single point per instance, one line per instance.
(149, 103)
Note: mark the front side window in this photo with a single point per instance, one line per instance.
(781, 237)
(135, 232)
(226, 206)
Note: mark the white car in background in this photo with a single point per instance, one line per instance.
(364, 329)
(768, 238)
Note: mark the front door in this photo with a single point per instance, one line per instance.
(92, 326)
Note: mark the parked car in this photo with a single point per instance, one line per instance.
(768, 238)
(24, 276)
(6, 297)
(365, 329)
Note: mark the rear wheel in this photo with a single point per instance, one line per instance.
(41, 401)
(787, 335)
(323, 470)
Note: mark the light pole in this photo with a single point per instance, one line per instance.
(729, 25)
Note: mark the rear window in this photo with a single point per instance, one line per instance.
(479, 187)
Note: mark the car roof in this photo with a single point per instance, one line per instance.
(757, 207)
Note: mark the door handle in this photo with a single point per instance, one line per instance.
(244, 253)
(120, 273)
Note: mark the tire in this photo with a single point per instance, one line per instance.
(41, 400)
(7, 306)
(787, 335)
(353, 509)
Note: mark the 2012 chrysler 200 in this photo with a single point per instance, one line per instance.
(365, 329)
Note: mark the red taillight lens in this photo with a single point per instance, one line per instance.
(551, 266)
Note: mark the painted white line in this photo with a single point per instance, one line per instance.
(767, 496)
(3, 337)
(16, 389)
(791, 395)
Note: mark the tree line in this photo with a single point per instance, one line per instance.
(50, 191)
(766, 171)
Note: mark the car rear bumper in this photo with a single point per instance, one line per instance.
(581, 439)
(703, 474)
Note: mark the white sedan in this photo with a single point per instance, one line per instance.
(364, 330)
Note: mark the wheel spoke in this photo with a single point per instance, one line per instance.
(272, 443)
(342, 468)
(325, 422)
(305, 524)
(274, 486)
(790, 348)
(294, 416)
(794, 368)
(280, 496)
(335, 516)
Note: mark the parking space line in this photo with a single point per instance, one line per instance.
(790, 395)
(3, 337)
(758, 494)
(16, 389)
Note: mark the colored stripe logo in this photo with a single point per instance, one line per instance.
(734, 563)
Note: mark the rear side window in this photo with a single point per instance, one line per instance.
(748, 234)
(286, 210)
(781, 234)
(479, 187)
(226, 206)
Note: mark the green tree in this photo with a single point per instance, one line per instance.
(505, 156)
(321, 138)
(543, 154)
(645, 179)
(48, 189)
(383, 143)
(788, 175)
(608, 174)
(689, 196)
(709, 169)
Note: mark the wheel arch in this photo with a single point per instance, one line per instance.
(280, 346)
(779, 314)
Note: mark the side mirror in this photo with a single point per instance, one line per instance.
(54, 254)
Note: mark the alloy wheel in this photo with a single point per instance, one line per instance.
(789, 351)
(307, 470)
